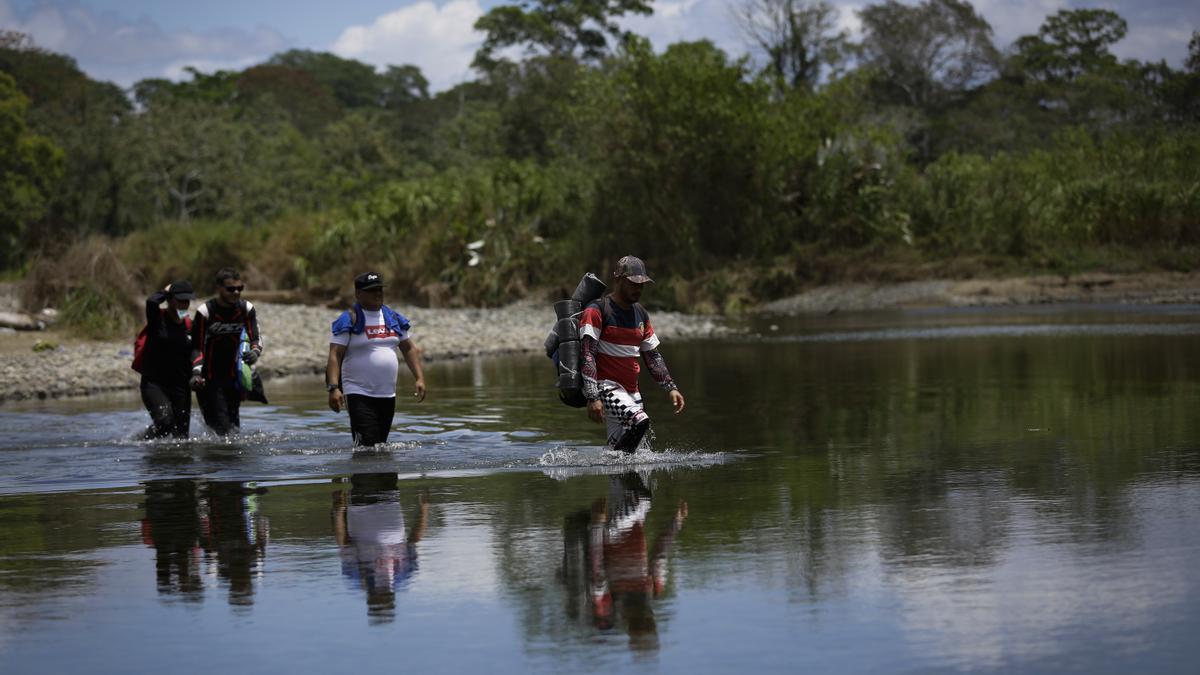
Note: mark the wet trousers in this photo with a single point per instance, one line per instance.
(370, 418)
(220, 402)
(170, 408)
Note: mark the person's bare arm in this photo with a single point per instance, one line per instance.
(333, 375)
(412, 358)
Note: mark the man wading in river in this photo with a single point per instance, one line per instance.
(216, 345)
(614, 331)
(361, 371)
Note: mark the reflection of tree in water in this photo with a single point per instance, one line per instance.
(186, 517)
(378, 554)
(612, 580)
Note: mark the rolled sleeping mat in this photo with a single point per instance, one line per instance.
(568, 356)
(551, 343)
(567, 308)
(570, 381)
(573, 397)
(590, 287)
(567, 329)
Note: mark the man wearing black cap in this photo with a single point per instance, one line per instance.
(166, 361)
(360, 373)
(614, 331)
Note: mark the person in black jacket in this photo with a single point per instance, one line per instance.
(166, 362)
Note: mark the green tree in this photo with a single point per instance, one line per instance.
(1071, 44)
(308, 104)
(684, 161)
(929, 54)
(1072, 73)
(402, 86)
(30, 169)
(82, 117)
(354, 84)
(571, 28)
(218, 88)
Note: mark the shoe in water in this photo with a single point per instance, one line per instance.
(629, 441)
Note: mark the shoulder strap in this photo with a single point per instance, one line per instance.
(606, 311)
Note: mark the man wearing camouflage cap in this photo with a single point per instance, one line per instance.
(615, 330)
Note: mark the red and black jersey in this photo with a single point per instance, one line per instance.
(621, 337)
(217, 334)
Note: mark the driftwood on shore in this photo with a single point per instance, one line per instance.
(20, 321)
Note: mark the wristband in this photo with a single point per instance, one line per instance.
(330, 387)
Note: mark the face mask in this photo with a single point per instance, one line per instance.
(183, 313)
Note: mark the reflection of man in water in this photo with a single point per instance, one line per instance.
(172, 527)
(619, 578)
(236, 533)
(377, 553)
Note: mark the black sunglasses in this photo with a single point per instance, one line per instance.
(235, 289)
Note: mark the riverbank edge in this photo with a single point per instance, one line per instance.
(296, 336)
(296, 341)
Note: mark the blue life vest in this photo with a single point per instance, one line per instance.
(395, 321)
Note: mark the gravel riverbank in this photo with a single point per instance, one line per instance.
(297, 336)
(296, 341)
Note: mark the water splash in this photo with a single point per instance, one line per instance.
(564, 462)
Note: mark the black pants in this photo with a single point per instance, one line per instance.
(370, 418)
(170, 408)
(220, 402)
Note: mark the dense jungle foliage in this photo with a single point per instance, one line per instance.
(922, 149)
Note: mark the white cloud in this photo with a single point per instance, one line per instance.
(110, 47)
(441, 41)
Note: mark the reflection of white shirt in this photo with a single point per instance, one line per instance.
(370, 365)
(379, 544)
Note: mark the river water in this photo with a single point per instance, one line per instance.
(951, 490)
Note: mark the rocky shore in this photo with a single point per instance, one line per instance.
(296, 341)
(296, 336)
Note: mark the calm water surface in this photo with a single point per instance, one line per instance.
(891, 492)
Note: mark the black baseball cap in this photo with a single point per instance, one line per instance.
(181, 290)
(633, 269)
(368, 280)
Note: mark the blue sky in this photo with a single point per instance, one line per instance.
(126, 40)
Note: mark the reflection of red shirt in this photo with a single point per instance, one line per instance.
(619, 342)
(625, 561)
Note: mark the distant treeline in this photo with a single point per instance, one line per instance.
(814, 158)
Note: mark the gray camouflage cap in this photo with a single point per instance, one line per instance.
(633, 269)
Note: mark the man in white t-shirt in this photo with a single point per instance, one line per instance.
(361, 372)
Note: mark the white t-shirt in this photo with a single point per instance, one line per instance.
(370, 365)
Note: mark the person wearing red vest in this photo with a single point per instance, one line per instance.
(614, 331)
